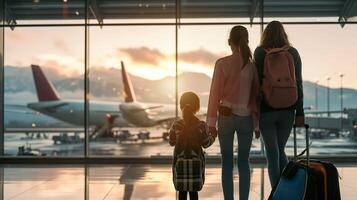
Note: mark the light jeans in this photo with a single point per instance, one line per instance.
(227, 127)
(276, 128)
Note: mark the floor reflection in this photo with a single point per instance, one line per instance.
(128, 182)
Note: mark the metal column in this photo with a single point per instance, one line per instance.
(2, 41)
(177, 21)
(86, 80)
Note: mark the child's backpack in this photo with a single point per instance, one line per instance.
(188, 170)
(279, 81)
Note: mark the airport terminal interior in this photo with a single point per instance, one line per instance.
(90, 88)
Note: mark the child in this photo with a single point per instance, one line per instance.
(189, 135)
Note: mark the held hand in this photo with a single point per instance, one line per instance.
(257, 134)
(300, 121)
(213, 131)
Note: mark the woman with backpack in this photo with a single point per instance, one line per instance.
(279, 69)
(234, 95)
(189, 135)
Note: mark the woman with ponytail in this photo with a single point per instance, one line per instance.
(189, 135)
(233, 99)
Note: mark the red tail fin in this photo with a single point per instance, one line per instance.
(44, 88)
(128, 87)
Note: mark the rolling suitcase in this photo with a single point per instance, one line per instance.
(312, 179)
(296, 181)
(324, 175)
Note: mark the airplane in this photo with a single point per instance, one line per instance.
(103, 115)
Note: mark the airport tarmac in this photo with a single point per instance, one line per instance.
(157, 147)
(129, 182)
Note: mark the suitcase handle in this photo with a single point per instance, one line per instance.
(307, 143)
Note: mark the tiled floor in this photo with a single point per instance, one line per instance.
(41, 182)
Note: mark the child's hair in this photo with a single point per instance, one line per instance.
(189, 104)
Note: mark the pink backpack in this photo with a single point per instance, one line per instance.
(279, 82)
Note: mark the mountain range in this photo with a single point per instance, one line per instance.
(106, 84)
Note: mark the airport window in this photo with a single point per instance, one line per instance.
(53, 44)
(328, 65)
(43, 90)
(90, 88)
(132, 90)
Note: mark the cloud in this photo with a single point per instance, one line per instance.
(199, 56)
(144, 55)
(60, 44)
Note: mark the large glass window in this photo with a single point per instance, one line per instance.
(328, 65)
(132, 89)
(128, 50)
(43, 84)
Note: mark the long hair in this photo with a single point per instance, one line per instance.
(274, 36)
(189, 104)
(239, 37)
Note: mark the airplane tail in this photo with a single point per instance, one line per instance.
(44, 88)
(128, 87)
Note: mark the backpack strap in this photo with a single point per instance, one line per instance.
(266, 50)
(286, 47)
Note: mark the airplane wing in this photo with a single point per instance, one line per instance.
(50, 107)
(53, 108)
(146, 108)
(19, 109)
(109, 114)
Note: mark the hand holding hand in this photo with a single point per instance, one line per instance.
(213, 131)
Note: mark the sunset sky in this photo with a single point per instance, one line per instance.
(148, 51)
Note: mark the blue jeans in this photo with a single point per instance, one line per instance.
(227, 127)
(276, 127)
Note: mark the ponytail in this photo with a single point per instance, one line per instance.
(246, 53)
(239, 37)
(189, 104)
(187, 113)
